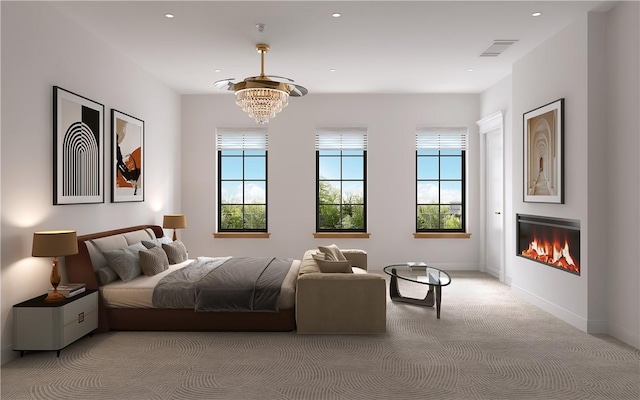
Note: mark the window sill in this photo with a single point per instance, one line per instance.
(241, 235)
(341, 235)
(441, 235)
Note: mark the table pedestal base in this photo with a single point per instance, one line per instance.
(432, 297)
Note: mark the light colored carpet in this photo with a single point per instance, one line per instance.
(488, 344)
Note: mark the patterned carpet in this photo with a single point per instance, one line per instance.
(488, 345)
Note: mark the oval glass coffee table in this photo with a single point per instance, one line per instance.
(422, 274)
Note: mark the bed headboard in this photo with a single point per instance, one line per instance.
(78, 266)
(80, 269)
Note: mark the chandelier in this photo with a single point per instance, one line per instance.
(263, 96)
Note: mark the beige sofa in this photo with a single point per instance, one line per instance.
(340, 302)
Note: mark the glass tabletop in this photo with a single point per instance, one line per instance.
(419, 273)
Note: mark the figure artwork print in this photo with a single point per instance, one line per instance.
(543, 154)
(127, 157)
(78, 154)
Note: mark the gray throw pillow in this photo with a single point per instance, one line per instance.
(334, 266)
(153, 261)
(156, 242)
(125, 261)
(332, 252)
(176, 252)
(106, 275)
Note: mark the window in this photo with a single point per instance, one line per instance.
(242, 180)
(440, 179)
(341, 179)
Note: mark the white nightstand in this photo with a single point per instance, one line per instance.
(38, 325)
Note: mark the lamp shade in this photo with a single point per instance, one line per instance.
(54, 243)
(174, 221)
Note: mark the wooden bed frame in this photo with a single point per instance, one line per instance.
(80, 269)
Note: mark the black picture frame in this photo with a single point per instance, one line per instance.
(543, 161)
(127, 158)
(78, 149)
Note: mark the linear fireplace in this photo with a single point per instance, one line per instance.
(550, 241)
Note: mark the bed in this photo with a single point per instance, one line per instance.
(128, 307)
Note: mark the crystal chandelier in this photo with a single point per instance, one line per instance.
(264, 96)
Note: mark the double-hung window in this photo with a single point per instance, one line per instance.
(341, 179)
(440, 179)
(242, 180)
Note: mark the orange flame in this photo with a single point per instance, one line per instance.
(552, 253)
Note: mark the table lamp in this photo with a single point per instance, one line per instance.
(54, 244)
(174, 221)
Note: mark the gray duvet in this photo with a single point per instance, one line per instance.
(224, 284)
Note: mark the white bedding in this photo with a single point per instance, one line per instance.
(138, 292)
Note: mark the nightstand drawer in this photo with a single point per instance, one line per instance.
(79, 319)
(52, 326)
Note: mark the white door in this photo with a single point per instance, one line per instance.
(494, 203)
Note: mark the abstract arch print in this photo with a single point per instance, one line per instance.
(78, 153)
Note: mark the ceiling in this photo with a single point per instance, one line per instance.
(374, 46)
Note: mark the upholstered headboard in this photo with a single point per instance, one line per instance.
(79, 267)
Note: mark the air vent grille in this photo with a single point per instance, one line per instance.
(497, 47)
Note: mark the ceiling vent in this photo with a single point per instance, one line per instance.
(497, 47)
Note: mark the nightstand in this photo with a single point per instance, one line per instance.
(38, 325)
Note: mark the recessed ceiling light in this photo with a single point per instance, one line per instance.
(169, 15)
(216, 70)
(332, 70)
(470, 69)
(536, 14)
(336, 15)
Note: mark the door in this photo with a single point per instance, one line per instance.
(491, 131)
(494, 200)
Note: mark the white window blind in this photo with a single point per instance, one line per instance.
(341, 139)
(241, 139)
(441, 139)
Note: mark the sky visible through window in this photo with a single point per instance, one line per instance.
(429, 172)
(254, 178)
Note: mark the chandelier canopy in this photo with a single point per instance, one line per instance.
(263, 96)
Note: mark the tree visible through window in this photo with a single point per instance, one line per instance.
(242, 180)
(440, 179)
(341, 159)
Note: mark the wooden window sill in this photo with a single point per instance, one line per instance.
(341, 235)
(241, 235)
(441, 235)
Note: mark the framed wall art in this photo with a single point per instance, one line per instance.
(544, 153)
(78, 149)
(127, 158)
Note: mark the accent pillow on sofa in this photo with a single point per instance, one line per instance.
(332, 253)
(125, 261)
(153, 261)
(176, 252)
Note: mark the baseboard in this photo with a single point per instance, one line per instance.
(597, 326)
(494, 272)
(624, 334)
(552, 308)
(8, 354)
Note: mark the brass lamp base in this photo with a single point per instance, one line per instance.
(54, 297)
(55, 281)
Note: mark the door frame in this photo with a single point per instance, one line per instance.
(491, 123)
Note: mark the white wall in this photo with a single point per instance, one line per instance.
(593, 64)
(391, 121)
(41, 48)
(622, 135)
(556, 69)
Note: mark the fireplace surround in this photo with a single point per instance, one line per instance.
(551, 241)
